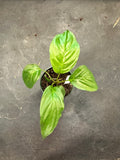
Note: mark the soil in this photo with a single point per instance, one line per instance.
(44, 83)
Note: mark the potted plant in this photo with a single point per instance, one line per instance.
(56, 82)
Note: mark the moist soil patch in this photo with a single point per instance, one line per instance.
(44, 80)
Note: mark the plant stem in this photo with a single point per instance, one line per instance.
(58, 76)
(53, 83)
(48, 75)
(55, 80)
(61, 81)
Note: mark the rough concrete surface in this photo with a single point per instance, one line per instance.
(90, 125)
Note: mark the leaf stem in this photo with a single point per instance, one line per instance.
(58, 76)
(53, 83)
(48, 75)
(62, 81)
(55, 80)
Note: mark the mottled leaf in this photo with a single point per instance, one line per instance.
(64, 52)
(82, 78)
(31, 73)
(51, 107)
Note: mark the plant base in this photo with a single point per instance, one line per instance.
(44, 83)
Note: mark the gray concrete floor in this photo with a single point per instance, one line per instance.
(90, 126)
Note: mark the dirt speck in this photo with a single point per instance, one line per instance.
(81, 19)
(35, 35)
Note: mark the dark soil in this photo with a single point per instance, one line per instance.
(44, 83)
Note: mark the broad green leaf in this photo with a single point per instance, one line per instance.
(82, 78)
(31, 73)
(51, 107)
(64, 52)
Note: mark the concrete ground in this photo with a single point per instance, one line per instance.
(90, 125)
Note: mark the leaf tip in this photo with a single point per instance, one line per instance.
(95, 88)
(44, 134)
(43, 137)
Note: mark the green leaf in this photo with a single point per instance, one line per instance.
(47, 79)
(51, 108)
(30, 74)
(82, 78)
(64, 52)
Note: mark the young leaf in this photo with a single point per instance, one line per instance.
(30, 74)
(64, 52)
(82, 78)
(47, 79)
(51, 108)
